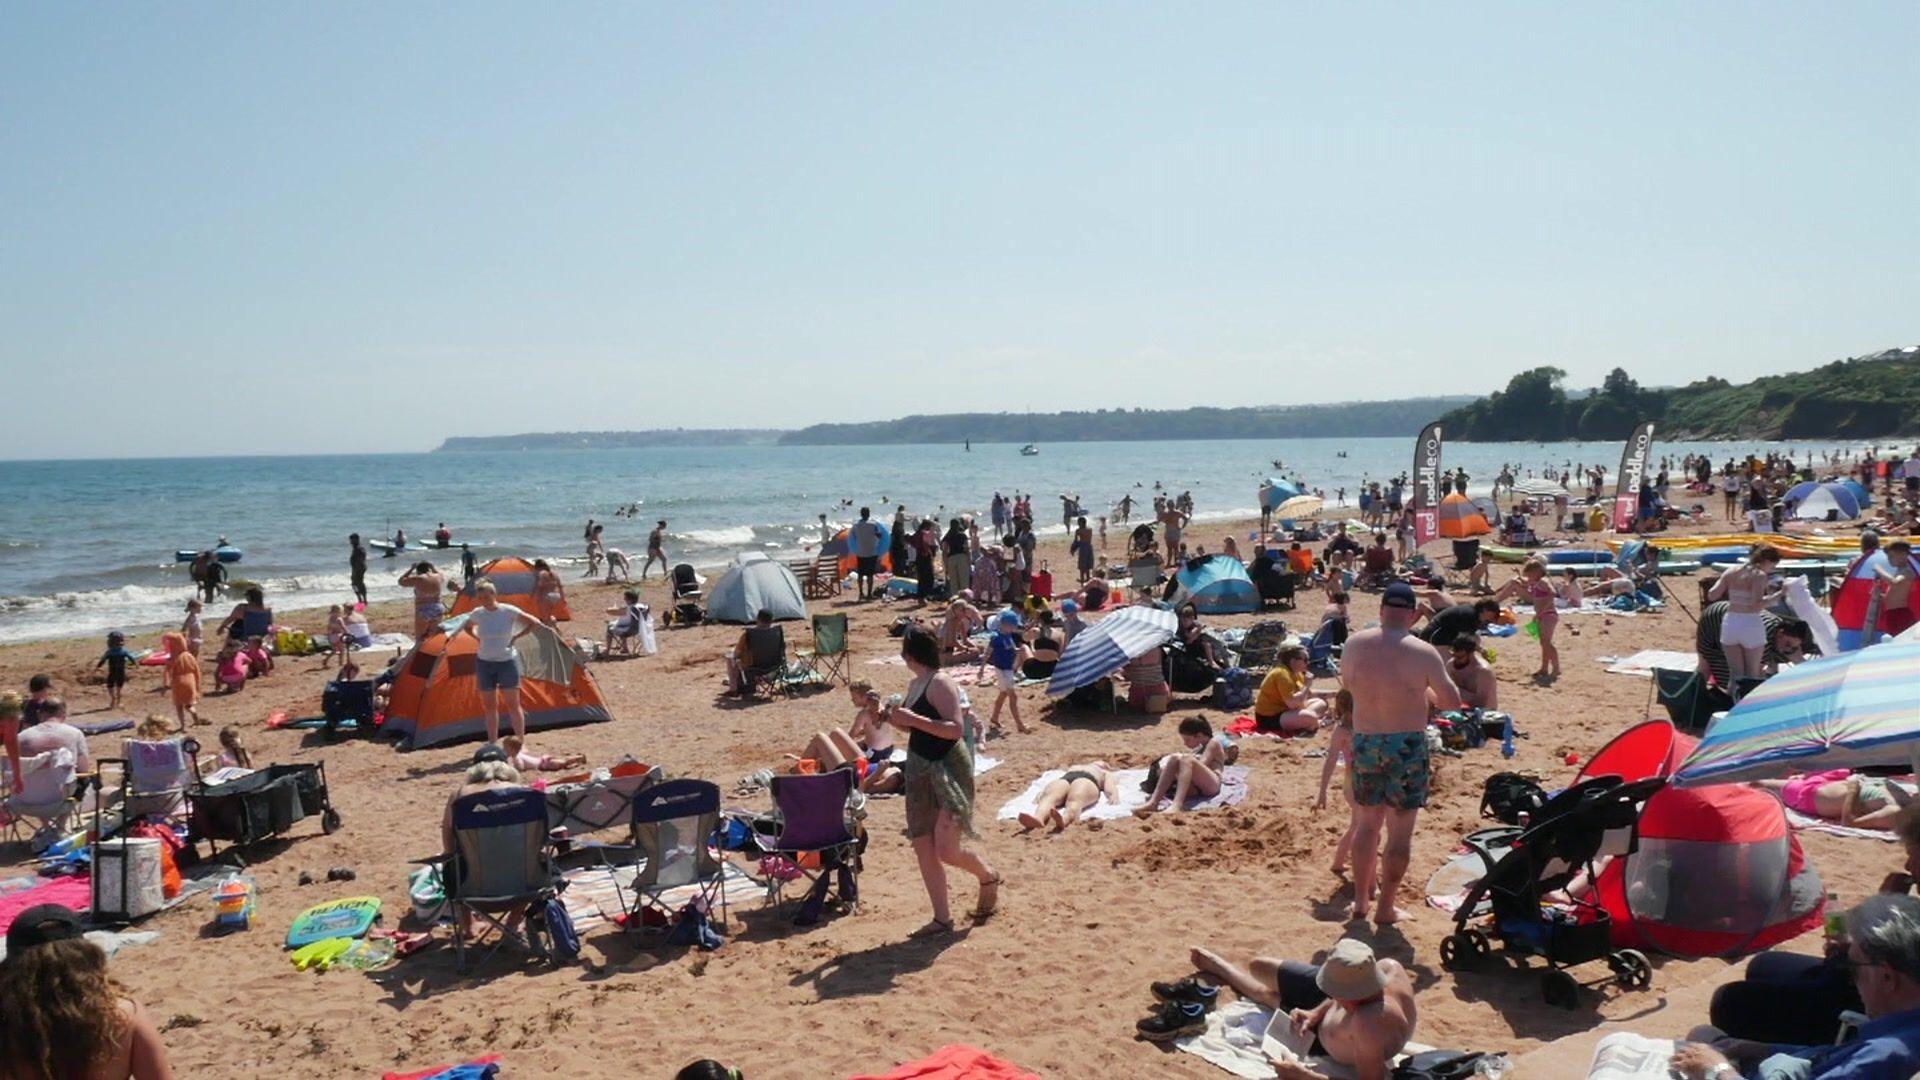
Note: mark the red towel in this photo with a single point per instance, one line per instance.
(1241, 725)
(957, 1063)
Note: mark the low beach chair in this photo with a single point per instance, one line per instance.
(819, 576)
(766, 665)
(156, 774)
(828, 657)
(503, 869)
(46, 800)
(1323, 654)
(674, 823)
(599, 805)
(817, 833)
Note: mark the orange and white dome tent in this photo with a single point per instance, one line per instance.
(1461, 517)
(513, 579)
(436, 700)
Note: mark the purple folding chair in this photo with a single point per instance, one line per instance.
(813, 818)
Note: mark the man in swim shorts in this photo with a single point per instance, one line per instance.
(1390, 672)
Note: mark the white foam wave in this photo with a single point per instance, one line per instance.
(731, 536)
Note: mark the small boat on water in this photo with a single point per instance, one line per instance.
(1029, 450)
(225, 553)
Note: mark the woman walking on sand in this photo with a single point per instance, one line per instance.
(939, 781)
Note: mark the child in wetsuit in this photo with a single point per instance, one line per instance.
(115, 660)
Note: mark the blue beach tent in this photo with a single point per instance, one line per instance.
(1217, 585)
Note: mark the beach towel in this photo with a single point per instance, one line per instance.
(1240, 1036)
(389, 641)
(484, 1068)
(592, 894)
(1821, 825)
(102, 727)
(1642, 663)
(1233, 788)
(110, 941)
(957, 1063)
(74, 891)
(1246, 727)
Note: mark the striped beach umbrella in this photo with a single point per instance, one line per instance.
(1848, 711)
(1299, 506)
(1104, 646)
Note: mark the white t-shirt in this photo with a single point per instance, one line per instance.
(52, 735)
(866, 539)
(495, 629)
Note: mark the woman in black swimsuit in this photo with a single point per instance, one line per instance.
(1046, 649)
(939, 781)
(1062, 801)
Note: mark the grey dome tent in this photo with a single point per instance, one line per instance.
(754, 584)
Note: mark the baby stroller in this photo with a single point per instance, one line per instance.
(1527, 863)
(686, 596)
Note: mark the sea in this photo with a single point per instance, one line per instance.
(88, 546)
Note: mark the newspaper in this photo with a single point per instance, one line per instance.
(1626, 1056)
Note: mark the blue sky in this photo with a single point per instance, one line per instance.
(234, 228)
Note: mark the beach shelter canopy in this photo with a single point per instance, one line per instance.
(1817, 502)
(512, 578)
(1460, 517)
(754, 584)
(841, 548)
(1854, 601)
(436, 700)
(1840, 712)
(1101, 648)
(1538, 488)
(1298, 507)
(1859, 491)
(1715, 871)
(1217, 585)
(1276, 491)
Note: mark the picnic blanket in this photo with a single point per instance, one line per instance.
(73, 891)
(1233, 788)
(592, 894)
(956, 1062)
(1643, 662)
(484, 1068)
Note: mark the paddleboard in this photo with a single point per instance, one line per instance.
(224, 554)
(350, 918)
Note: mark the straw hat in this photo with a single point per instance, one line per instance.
(1350, 973)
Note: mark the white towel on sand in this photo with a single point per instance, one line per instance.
(1240, 1035)
(1233, 788)
(1643, 662)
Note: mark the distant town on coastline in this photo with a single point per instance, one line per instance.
(1862, 397)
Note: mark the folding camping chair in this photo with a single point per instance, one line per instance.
(502, 868)
(810, 812)
(348, 701)
(674, 823)
(766, 662)
(828, 657)
(1690, 699)
(599, 805)
(154, 776)
(1145, 574)
(1323, 652)
(1466, 555)
(46, 797)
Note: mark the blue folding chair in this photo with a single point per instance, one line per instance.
(1323, 652)
(501, 868)
(674, 827)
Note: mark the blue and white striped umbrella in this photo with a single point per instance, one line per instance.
(1104, 646)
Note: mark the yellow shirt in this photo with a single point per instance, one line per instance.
(1279, 685)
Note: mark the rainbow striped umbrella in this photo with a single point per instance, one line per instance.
(1856, 709)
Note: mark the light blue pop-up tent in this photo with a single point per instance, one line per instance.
(752, 585)
(1218, 585)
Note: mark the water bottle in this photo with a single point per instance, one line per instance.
(1506, 737)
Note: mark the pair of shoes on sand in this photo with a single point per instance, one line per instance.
(1182, 1011)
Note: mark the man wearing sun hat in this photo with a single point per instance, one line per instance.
(1351, 1008)
(1390, 672)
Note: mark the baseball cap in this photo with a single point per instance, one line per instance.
(1400, 595)
(489, 752)
(41, 925)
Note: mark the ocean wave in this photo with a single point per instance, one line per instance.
(731, 536)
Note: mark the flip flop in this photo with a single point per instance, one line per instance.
(934, 928)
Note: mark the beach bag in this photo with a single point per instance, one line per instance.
(1233, 691)
(1508, 795)
(1438, 1065)
(560, 928)
(428, 893)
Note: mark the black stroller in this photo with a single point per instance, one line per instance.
(1526, 863)
(258, 806)
(686, 596)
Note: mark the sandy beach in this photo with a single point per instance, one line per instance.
(1053, 981)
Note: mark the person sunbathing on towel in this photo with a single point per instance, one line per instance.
(521, 759)
(1062, 801)
(1194, 772)
(1351, 1008)
(1862, 802)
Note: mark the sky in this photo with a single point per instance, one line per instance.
(233, 228)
